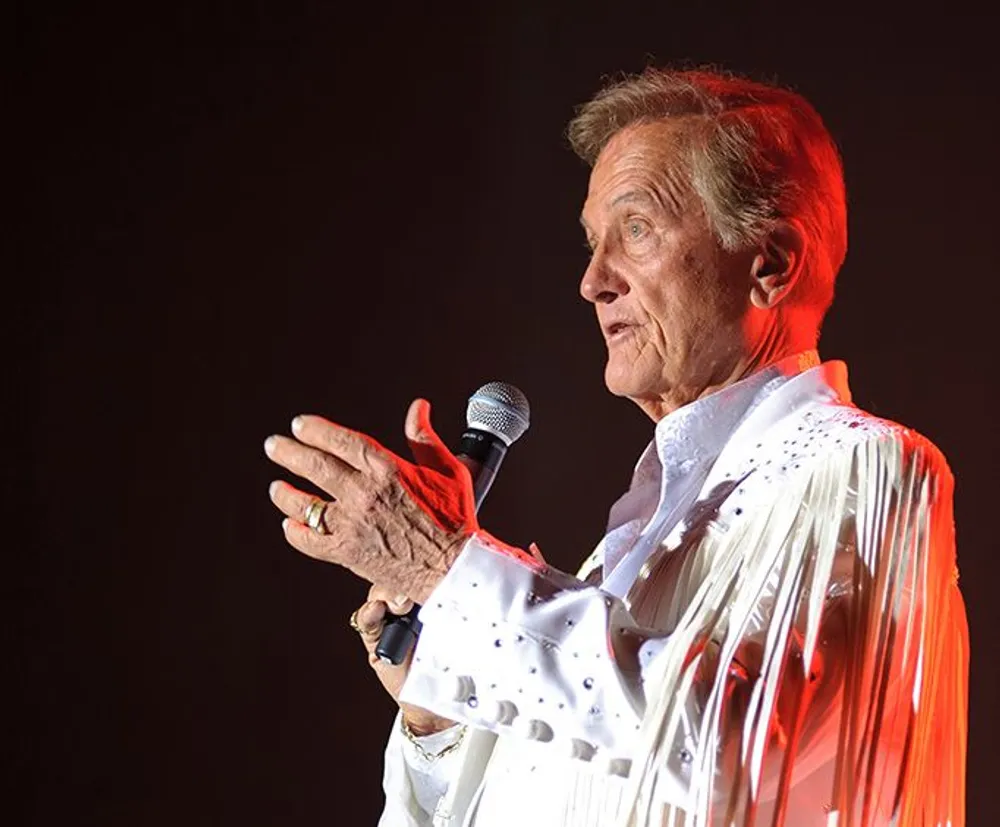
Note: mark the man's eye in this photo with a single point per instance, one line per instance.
(636, 229)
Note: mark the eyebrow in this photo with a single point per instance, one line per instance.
(625, 197)
(633, 195)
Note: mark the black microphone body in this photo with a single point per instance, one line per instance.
(481, 452)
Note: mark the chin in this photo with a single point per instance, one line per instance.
(620, 381)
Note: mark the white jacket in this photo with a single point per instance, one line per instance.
(781, 629)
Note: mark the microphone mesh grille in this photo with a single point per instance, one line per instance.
(500, 409)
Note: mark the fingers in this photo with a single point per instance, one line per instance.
(359, 451)
(324, 547)
(294, 503)
(329, 472)
(370, 619)
(399, 604)
(372, 614)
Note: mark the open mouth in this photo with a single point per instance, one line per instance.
(617, 329)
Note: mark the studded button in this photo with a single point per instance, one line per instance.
(499, 712)
(616, 766)
(581, 750)
(533, 729)
(463, 688)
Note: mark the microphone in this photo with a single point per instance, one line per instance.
(496, 417)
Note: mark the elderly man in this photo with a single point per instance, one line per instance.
(771, 630)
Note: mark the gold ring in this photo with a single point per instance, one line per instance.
(354, 621)
(314, 516)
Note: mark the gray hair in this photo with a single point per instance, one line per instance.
(756, 153)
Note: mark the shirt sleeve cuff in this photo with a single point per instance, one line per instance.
(511, 644)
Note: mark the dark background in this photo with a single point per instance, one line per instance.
(240, 212)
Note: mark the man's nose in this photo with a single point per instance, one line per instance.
(601, 282)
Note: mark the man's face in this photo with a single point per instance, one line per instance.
(670, 301)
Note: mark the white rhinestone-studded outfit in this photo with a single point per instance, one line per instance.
(771, 621)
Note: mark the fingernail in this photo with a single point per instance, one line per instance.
(284, 524)
(297, 424)
(400, 600)
(269, 444)
(272, 488)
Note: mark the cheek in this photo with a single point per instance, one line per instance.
(672, 308)
(684, 318)
(700, 292)
(682, 296)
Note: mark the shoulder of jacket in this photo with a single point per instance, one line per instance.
(822, 428)
(836, 427)
(802, 443)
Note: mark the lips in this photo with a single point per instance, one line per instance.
(619, 329)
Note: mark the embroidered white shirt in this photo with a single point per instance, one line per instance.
(551, 677)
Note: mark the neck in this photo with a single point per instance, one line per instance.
(774, 345)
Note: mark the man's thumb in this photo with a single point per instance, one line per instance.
(427, 447)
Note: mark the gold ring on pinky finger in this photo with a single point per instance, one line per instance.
(314, 516)
(354, 621)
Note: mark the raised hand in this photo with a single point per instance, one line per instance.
(395, 523)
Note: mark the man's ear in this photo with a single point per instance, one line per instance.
(778, 264)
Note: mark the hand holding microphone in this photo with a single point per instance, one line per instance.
(392, 522)
(497, 416)
(368, 622)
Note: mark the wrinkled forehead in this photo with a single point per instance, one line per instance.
(653, 155)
